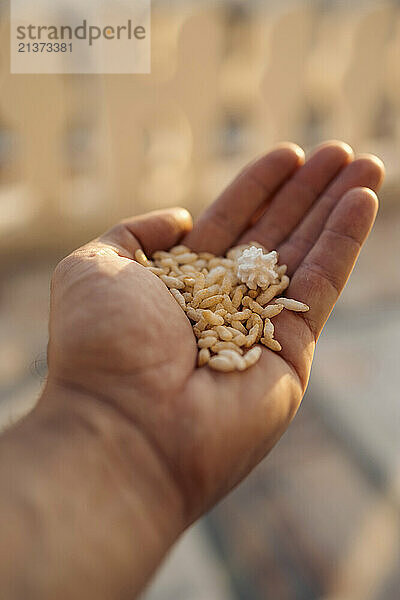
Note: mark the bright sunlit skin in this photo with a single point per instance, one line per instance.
(130, 442)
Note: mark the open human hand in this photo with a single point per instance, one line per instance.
(118, 335)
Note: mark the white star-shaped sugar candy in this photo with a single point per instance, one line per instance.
(254, 268)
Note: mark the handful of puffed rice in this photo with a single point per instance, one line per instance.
(227, 299)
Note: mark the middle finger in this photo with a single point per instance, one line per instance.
(298, 194)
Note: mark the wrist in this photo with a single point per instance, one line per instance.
(115, 463)
(124, 445)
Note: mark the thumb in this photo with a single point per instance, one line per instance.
(157, 230)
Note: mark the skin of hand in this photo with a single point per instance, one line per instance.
(120, 345)
(118, 334)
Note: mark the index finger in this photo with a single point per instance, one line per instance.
(228, 217)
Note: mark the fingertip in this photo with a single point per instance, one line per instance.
(156, 230)
(344, 146)
(285, 158)
(291, 151)
(363, 200)
(183, 218)
(376, 167)
(356, 213)
(165, 228)
(336, 149)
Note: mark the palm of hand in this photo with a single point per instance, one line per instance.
(117, 332)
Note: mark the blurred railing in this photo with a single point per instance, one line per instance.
(78, 152)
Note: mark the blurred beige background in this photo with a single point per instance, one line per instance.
(319, 520)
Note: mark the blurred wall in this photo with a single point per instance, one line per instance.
(228, 80)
